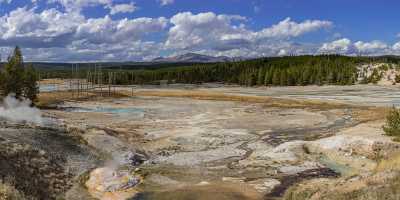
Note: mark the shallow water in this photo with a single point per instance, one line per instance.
(53, 87)
(47, 88)
(341, 169)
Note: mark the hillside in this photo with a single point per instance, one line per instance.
(194, 58)
(270, 71)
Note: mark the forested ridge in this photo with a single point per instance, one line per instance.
(274, 71)
(300, 70)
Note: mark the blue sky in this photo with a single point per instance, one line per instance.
(136, 30)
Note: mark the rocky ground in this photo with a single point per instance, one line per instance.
(175, 144)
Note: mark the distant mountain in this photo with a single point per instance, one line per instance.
(194, 58)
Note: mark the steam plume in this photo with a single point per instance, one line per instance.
(17, 110)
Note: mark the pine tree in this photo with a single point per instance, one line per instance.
(268, 77)
(30, 84)
(261, 74)
(13, 75)
(276, 79)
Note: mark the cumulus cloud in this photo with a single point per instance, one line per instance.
(59, 32)
(122, 8)
(396, 47)
(65, 33)
(341, 46)
(204, 29)
(106, 30)
(52, 27)
(48, 28)
(79, 5)
(282, 52)
(289, 28)
(373, 47)
(345, 46)
(73, 36)
(212, 33)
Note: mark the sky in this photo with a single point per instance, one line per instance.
(141, 30)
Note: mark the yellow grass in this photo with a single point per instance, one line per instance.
(366, 114)
(392, 163)
(52, 81)
(48, 98)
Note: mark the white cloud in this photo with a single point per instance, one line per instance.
(373, 47)
(227, 34)
(166, 2)
(79, 5)
(282, 52)
(72, 36)
(345, 46)
(106, 30)
(50, 27)
(122, 8)
(396, 46)
(204, 29)
(64, 34)
(289, 28)
(341, 46)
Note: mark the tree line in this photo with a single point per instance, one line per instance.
(18, 79)
(273, 71)
(278, 71)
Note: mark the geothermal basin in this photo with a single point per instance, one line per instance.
(194, 146)
(202, 143)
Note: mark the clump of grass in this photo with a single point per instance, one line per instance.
(392, 126)
(387, 189)
(8, 192)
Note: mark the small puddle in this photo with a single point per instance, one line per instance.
(52, 88)
(47, 88)
(339, 168)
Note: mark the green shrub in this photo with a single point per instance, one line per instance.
(375, 76)
(392, 126)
